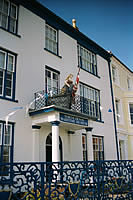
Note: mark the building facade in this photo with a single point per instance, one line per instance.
(122, 79)
(38, 50)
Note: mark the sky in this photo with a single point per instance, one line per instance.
(109, 23)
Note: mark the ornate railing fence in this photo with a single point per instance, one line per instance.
(77, 103)
(68, 180)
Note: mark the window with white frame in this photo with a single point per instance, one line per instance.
(131, 112)
(117, 104)
(87, 60)
(91, 101)
(7, 74)
(98, 149)
(129, 84)
(6, 143)
(51, 39)
(51, 80)
(84, 146)
(8, 15)
(114, 74)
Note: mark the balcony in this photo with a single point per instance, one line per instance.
(76, 104)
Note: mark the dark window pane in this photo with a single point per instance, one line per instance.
(5, 7)
(4, 21)
(13, 11)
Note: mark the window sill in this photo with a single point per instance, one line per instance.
(53, 53)
(90, 73)
(6, 98)
(10, 32)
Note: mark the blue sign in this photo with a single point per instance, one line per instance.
(73, 120)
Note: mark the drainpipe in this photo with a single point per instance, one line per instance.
(116, 136)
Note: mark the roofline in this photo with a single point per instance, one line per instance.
(43, 12)
(112, 55)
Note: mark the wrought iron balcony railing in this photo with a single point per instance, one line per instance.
(77, 103)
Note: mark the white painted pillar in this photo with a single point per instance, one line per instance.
(35, 153)
(89, 143)
(55, 141)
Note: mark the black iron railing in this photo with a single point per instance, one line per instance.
(75, 103)
(69, 180)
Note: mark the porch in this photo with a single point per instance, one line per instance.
(68, 180)
(62, 116)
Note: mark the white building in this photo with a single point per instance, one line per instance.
(38, 50)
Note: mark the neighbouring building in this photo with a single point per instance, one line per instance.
(122, 78)
(38, 120)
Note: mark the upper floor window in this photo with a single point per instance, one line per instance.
(131, 112)
(91, 101)
(7, 74)
(98, 149)
(51, 39)
(51, 80)
(117, 104)
(87, 60)
(129, 84)
(114, 74)
(84, 146)
(8, 15)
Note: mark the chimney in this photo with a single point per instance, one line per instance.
(74, 24)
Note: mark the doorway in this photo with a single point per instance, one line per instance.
(49, 148)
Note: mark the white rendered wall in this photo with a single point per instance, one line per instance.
(31, 62)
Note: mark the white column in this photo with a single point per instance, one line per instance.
(89, 143)
(55, 141)
(35, 153)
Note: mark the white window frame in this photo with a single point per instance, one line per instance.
(9, 17)
(131, 124)
(92, 95)
(2, 83)
(4, 60)
(114, 74)
(15, 17)
(11, 73)
(47, 27)
(129, 83)
(5, 70)
(87, 60)
(117, 106)
(6, 14)
(10, 134)
(5, 155)
(51, 91)
(13, 61)
(98, 149)
(115, 77)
